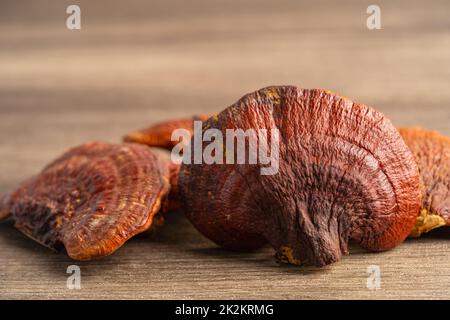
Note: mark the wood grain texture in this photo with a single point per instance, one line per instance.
(133, 64)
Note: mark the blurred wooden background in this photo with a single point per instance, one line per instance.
(135, 62)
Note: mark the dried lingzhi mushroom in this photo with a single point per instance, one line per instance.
(160, 134)
(432, 153)
(344, 173)
(91, 199)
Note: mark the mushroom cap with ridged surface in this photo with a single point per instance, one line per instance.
(344, 173)
(91, 199)
(432, 153)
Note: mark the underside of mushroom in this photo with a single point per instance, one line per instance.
(432, 153)
(91, 199)
(344, 172)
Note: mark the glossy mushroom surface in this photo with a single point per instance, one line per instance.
(91, 199)
(344, 173)
(159, 134)
(432, 153)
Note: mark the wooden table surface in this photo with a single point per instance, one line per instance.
(133, 64)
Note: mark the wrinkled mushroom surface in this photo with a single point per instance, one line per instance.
(432, 153)
(91, 199)
(344, 173)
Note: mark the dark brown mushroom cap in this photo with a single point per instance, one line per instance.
(432, 153)
(344, 173)
(91, 199)
(159, 135)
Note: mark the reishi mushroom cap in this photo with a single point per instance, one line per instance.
(159, 134)
(432, 153)
(344, 173)
(91, 199)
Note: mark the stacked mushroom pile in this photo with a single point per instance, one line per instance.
(344, 173)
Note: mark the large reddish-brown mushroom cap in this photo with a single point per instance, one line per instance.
(91, 199)
(160, 134)
(432, 153)
(344, 173)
